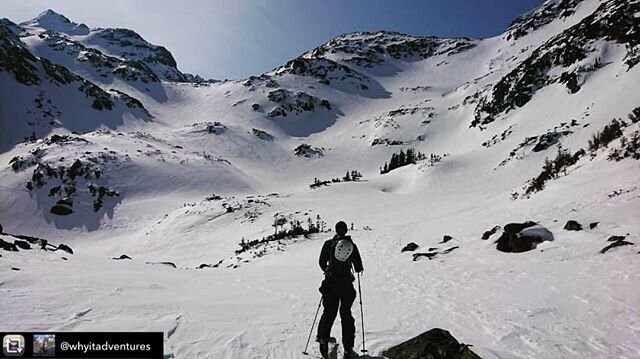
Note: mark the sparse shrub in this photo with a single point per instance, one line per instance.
(609, 133)
(295, 229)
(325, 103)
(629, 148)
(553, 168)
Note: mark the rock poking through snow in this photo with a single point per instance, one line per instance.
(522, 237)
(616, 241)
(490, 232)
(436, 343)
(410, 247)
(573, 226)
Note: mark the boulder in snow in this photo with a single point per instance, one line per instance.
(573, 226)
(410, 247)
(22, 244)
(435, 343)
(7, 246)
(522, 237)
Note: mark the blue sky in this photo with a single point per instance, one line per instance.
(238, 38)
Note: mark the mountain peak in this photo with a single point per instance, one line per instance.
(53, 21)
(51, 12)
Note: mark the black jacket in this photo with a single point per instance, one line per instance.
(332, 267)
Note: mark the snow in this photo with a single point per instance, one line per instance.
(537, 231)
(562, 299)
(54, 21)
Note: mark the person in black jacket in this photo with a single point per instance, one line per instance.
(339, 254)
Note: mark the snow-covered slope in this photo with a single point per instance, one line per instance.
(188, 178)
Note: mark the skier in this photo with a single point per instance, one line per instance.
(336, 258)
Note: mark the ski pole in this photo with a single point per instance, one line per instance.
(312, 325)
(364, 350)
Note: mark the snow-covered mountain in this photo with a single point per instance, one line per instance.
(109, 148)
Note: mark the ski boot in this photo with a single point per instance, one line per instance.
(324, 350)
(349, 353)
(324, 347)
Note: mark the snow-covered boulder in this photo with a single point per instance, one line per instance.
(522, 237)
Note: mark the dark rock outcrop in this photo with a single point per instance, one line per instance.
(429, 255)
(168, 264)
(410, 247)
(61, 210)
(446, 238)
(122, 257)
(490, 232)
(573, 226)
(593, 225)
(64, 247)
(616, 241)
(7, 246)
(615, 238)
(522, 237)
(22, 244)
(434, 344)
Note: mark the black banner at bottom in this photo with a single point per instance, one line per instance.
(132, 345)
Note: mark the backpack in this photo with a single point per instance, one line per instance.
(340, 257)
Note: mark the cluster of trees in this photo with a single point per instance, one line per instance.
(629, 148)
(350, 176)
(402, 159)
(32, 138)
(282, 231)
(553, 168)
(609, 133)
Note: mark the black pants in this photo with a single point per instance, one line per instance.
(337, 294)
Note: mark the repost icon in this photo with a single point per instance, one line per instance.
(13, 345)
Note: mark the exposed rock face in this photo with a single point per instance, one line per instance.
(434, 344)
(305, 150)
